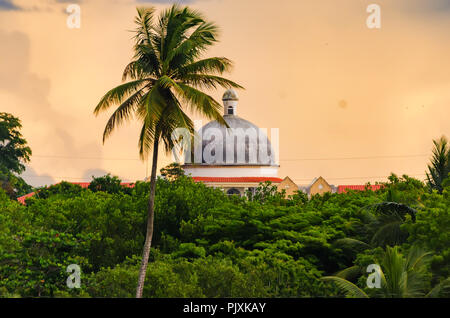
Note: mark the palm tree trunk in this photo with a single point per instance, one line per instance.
(150, 218)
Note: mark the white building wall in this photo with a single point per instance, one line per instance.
(232, 172)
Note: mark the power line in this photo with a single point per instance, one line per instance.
(85, 158)
(368, 177)
(66, 178)
(305, 179)
(283, 160)
(356, 158)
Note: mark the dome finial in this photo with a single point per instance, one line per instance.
(230, 100)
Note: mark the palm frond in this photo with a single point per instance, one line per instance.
(350, 273)
(393, 268)
(144, 22)
(439, 167)
(144, 48)
(440, 290)
(352, 243)
(213, 65)
(140, 69)
(177, 29)
(416, 258)
(405, 276)
(122, 113)
(200, 102)
(150, 111)
(388, 234)
(191, 48)
(173, 118)
(208, 81)
(118, 94)
(350, 289)
(146, 140)
(394, 208)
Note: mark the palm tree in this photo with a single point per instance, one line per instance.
(439, 168)
(384, 223)
(166, 77)
(390, 215)
(400, 277)
(385, 220)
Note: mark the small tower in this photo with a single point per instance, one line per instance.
(230, 100)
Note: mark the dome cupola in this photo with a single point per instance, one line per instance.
(230, 100)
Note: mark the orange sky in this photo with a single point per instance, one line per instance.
(366, 102)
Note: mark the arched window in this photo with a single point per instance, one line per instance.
(233, 191)
(230, 110)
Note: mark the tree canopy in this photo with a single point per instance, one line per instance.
(14, 151)
(439, 168)
(209, 244)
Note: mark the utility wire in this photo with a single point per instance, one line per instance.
(283, 160)
(372, 177)
(66, 178)
(355, 158)
(84, 158)
(306, 179)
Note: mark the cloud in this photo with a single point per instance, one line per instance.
(421, 7)
(16, 77)
(8, 5)
(90, 173)
(436, 5)
(54, 130)
(37, 180)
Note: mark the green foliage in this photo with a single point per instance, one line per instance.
(114, 221)
(211, 245)
(439, 168)
(172, 171)
(63, 189)
(166, 278)
(431, 230)
(12, 184)
(14, 151)
(108, 183)
(266, 192)
(400, 276)
(190, 250)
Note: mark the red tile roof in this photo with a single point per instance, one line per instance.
(84, 185)
(237, 179)
(24, 197)
(345, 188)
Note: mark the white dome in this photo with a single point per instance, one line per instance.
(233, 140)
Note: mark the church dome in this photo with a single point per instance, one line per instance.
(241, 144)
(226, 155)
